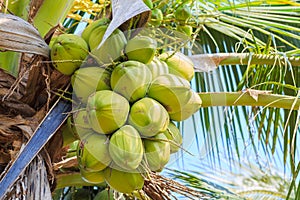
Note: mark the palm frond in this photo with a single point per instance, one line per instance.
(235, 18)
(9, 61)
(214, 190)
(247, 182)
(267, 134)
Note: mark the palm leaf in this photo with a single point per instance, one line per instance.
(241, 27)
(249, 182)
(10, 61)
(234, 19)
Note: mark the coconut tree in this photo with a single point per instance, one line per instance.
(246, 56)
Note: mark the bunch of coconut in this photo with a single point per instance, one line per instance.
(127, 100)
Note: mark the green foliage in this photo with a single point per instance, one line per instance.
(249, 182)
(256, 27)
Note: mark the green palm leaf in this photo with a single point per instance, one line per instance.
(270, 28)
(250, 182)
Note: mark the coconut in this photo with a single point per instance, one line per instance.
(124, 182)
(183, 12)
(174, 136)
(141, 48)
(96, 36)
(188, 109)
(88, 80)
(80, 124)
(131, 79)
(179, 64)
(107, 111)
(95, 177)
(157, 152)
(158, 67)
(67, 53)
(111, 50)
(126, 148)
(156, 17)
(148, 116)
(186, 29)
(86, 33)
(92, 152)
(68, 130)
(172, 91)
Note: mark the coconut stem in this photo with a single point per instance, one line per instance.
(246, 58)
(72, 179)
(248, 99)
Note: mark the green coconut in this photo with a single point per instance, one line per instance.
(157, 151)
(126, 148)
(107, 111)
(131, 79)
(149, 117)
(96, 36)
(67, 53)
(172, 91)
(156, 17)
(124, 182)
(92, 152)
(174, 136)
(81, 124)
(158, 67)
(68, 132)
(88, 80)
(141, 48)
(179, 64)
(86, 33)
(186, 29)
(111, 50)
(94, 177)
(183, 12)
(188, 109)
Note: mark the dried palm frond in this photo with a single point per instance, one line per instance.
(33, 183)
(163, 188)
